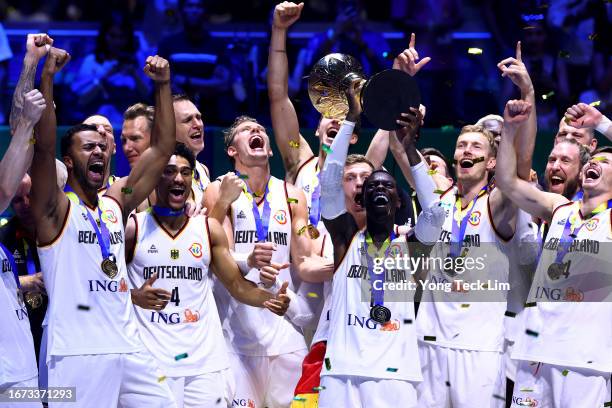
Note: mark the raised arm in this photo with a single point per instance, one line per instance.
(132, 190)
(524, 194)
(225, 268)
(587, 116)
(18, 156)
(284, 118)
(49, 203)
(37, 46)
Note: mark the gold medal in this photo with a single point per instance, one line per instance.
(35, 300)
(109, 268)
(313, 231)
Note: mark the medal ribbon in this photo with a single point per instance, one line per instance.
(102, 233)
(570, 232)
(378, 295)
(166, 211)
(459, 227)
(578, 196)
(30, 265)
(11, 260)
(314, 213)
(261, 221)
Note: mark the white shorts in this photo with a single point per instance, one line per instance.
(357, 392)
(111, 380)
(544, 385)
(266, 381)
(459, 378)
(214, 389)
(32, 382)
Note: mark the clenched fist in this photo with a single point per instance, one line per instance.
(33, 105)
(158, 69)
(38, 45)
(56, 60)
(286, 13)
(516, 112)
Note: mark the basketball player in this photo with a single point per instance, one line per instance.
(174, 252)
(105, 129)
(586, 116)
(18, 360)
(93, 341)
(565, 353)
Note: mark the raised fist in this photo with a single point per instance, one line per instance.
(33, 105)
(582, 116)
(410, 123)
(286, 13)
(231, 187)
(56, 60)
(158, 69)
(38, 45)
(516, 112)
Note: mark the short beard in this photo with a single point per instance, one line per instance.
(571, 188)
(80, 175)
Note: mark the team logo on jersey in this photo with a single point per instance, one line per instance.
(109, 216)
(152, 249)
(241, 215)
(474, 218)
(174, 254)
(573, 295)
(191, 317)
(591, 224)
(281, 217)
(395, 250)
(306, 188)
(196, 250)
(243, 402)
(123, 287)
(392, 325)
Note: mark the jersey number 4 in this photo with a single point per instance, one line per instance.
(174, 297)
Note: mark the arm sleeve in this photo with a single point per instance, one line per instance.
(424, 185)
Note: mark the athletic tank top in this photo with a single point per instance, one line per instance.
(358, 345)
(461, 318)
(199, 182)
(252, 330)
(17, 357)
(568, 318)
(189, 324)
(88, 313)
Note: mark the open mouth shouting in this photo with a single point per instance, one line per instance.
(177, 194)
(196, 136)
(95, 171)
(380, 199)
(592, 173)
(256, 142)
(557, 180)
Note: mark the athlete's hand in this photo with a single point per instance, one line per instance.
(280, 303)
(268, 274)
(261, 255)
(515, 69)
(516, 112)
(38, 45)
(286, 13)
(32, 283)
(231, 187)
(193, 209)
(33, 105)
(56, 60)
(149, 297)
(158, 69)
(410, 123)
(407, 60)
(352, 96)
(582, 116)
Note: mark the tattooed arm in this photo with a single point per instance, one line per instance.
(37, 46)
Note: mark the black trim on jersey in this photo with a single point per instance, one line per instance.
(490, 215)
(174, 237)
(129, 254)
(559, 206)
(297, 173)
(209, 239)
(446, 191)
(61, 230)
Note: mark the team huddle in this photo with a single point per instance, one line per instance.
(170, 288)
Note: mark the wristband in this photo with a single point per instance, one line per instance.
(603, 125)
(424, 184)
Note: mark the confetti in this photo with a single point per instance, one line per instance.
(429, 338)
(528, 27)
(299, 399)
(83, 307)
(589, 362)
(474, 51)
(243, 177)
(448, 383)
(32, 141)
(598, 158)
(318, 388)
(327, 363)
(499, 397)
(162, 378)
(257, 194)
(301, 230)
(564, 54)
(438, 191)
(596, 103)
(294, 144)
(327, 149)
(181, 356)
(447, 128)
(465, 305)
(392, 370)
(548, 95)
(526, 390)
(608, 404)
(531, 333)
(510, 314)
(292, 200)
(407, 321)
(593, 36)
(432, 172)
(126, 190)
(567, 120)
(312, 295)
(219, 400)
(530, 304)
(565, 373)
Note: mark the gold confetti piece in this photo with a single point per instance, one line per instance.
(596, 103)
(474, 51)
(567, 120)
(565, 373)
(526, 389)
(438, 191)
(564, 54)
(548, 95)
(292, 200)
(294, 144)
(301, 230)
(593, 36)
(429, 338)
(32, 141)
(530, 304)
(431, 172)
(327, 149)
(162, 378)
(465, 305)
(312, 295)
(598, 158)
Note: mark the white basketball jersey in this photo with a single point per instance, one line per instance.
(189, 324)
(17, 358)
(251, 330)
(568, 318)
(358, 345)
(88, 312)
(199, 182)
(447, 317)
